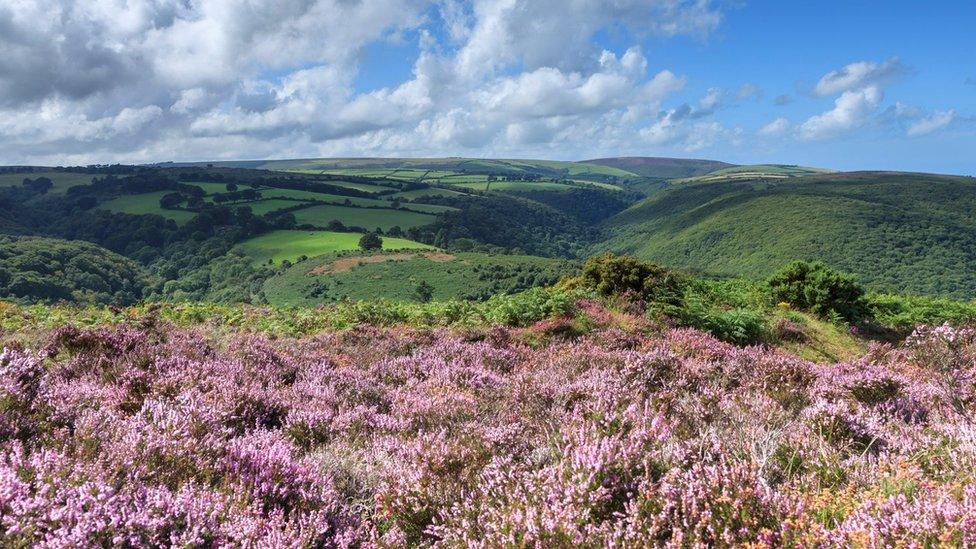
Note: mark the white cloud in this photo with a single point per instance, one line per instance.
(859, 75)
(141, 80)
(931, 123)
(675, 128)
(851, 110)
(775, 128)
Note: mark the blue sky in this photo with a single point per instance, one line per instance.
(847, 85)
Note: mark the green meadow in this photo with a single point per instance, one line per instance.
(279, 246)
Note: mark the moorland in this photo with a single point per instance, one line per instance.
(473, 352)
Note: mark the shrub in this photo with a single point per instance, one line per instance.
(610, 275)
(370, 241)
(819, 289)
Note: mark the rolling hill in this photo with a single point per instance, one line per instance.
(911, 233)
(661, 168)
(755, 172)
(431, 168)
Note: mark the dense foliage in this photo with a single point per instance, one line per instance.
(370, 241)
(904, 233)
(145, 434)
(49, 270)
(508, 222)
(610, 276)
(819, 289)
(395, 276)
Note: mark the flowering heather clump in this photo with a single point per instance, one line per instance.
(504, 437)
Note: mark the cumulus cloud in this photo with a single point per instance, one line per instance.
(783, 100)
(677, 128)
(150, 80)
(931, 123)
(861, 74)
(775, 128)
(851, 110)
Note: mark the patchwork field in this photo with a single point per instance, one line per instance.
(396, 276)
(368, 218)
(761, 171)
(422, 193)
(278, 246)
(62, 180)
(146, 203)
(516, 186)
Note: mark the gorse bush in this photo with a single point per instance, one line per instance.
(609, 275)
(819, 289)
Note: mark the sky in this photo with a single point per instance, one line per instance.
(837, 84)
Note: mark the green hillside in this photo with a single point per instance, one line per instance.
(278, 246)
(50, 270)
(910, 233)
(755, 172)
(661, 168)
(396, 276)
(435, 168)
(61, 180)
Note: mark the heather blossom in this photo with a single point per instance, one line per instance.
(623, 435)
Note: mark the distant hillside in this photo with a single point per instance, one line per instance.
(911, 233)
(755, 172)
(663, 168)
(382, 166)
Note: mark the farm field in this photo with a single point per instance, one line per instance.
(146, 203)
(762, 171)
(62, 180)
(396, 276)
(366, 187)
(269, 192)
(515, 186)
(368, 218)
(421, 193)
(281, 245)
(217, 188)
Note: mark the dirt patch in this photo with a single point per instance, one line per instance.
(439, 257)
(347, 263)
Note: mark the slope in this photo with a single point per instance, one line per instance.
(911, 233)
(661, 168)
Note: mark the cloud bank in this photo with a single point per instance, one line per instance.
(86, 81)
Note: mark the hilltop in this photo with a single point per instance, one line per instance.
(661, 168)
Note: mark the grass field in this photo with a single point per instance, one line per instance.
(516, 186)
(147, 203)
(760, 171)
(421, 193)
(366, 187)
(310, 195)
(215, 188)
(62, 180)
(368, 218)
(261, 207)
(396, 276)
(278, 246)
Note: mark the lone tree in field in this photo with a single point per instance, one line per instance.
(371, 241)
(424, 291)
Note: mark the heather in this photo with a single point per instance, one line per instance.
(530, 426)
